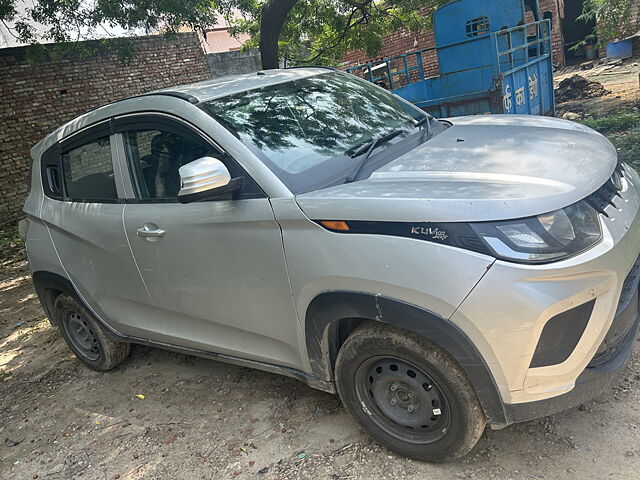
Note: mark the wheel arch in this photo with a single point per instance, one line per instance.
(48, 286)
(331, 316)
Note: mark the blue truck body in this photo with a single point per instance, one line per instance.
(493, 57)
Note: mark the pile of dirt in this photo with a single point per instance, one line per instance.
(577, 87)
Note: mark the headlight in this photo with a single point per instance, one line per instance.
(544, 238)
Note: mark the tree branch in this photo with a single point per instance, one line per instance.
(342, 36)
(274, 14)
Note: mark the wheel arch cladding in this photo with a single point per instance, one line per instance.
(46, 285)
(328, 310)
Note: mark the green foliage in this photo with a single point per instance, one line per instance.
(11, 246)
(316, 31)
(71, 20)
(615, 19)
(629, 148)
(67, 22)
(320, 31)
(623, 130)
(614, 123)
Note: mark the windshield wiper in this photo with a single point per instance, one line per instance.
(368, 149)
(426, 120)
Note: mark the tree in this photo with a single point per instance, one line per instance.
(615, 19)
(296, 31)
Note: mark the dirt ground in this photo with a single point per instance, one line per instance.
(621, 79)
(200, 419)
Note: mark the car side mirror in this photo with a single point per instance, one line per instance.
(205, 179)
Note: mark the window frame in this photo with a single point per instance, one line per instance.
(52, 158)
(163, 121)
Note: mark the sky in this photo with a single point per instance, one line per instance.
(8, 40)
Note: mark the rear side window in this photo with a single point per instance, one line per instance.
(155, 156)
(88, 171)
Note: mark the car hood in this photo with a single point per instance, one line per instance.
(482, 168)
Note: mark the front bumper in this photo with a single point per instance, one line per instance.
(506, 314)
(593, 380)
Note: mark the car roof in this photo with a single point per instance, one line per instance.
(193, 93)
(228, 85)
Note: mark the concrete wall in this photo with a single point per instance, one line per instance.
(37, 98)
(233, 62)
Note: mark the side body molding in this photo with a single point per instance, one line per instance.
(322, 336)
(47, 283)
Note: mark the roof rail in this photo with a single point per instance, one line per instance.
(170, 93)
(312, 66)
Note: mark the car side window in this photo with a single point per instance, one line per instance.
(88, 171)
(154, 157)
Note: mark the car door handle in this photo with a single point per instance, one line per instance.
(147, 232)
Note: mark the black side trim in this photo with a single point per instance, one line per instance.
(310, 380)
(46, 281)
(560, 335)
(51, 173)
(453, 234)
(327, 309)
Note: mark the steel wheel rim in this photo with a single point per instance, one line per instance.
(82, 335)
(403, 400)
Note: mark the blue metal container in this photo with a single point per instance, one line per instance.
(490, 61)
(621, 49)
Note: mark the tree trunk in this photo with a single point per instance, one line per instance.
(274, 14)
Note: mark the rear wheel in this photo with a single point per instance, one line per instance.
(85, 336)
(408, 394)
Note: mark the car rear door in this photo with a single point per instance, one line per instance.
(82, 208)
(215, 270)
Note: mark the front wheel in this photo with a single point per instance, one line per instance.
(408, 394)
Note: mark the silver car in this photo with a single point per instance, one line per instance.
(439, 275)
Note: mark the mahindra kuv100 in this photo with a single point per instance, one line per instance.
(439, 275)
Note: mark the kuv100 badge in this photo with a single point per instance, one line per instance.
(432, 232)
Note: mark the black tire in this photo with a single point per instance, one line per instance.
(408, 394)
(85, 336)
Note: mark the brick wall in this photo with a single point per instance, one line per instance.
(557, 41)
(401, 42)
(37, 98)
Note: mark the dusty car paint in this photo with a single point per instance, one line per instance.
(482, 168)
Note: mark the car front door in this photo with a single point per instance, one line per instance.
(215, 270)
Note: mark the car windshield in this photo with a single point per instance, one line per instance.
(309, 131)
